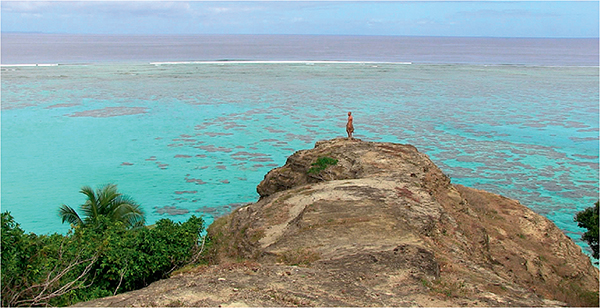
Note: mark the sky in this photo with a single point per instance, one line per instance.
(403, 18)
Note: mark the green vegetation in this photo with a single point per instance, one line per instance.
(321, 164)
(98, 257)
(588, 219)
(105, 202)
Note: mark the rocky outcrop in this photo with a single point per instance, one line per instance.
(382, 227)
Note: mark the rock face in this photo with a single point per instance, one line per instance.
(382, 227)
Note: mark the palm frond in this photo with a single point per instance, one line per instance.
(134, 220)
(115, 210)
(90, 207)
(108, 202)
(69, 215)
(129, 213)
(89, 193)
(106, 199)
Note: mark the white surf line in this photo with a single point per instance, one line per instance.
(29, 65)
(277, 62)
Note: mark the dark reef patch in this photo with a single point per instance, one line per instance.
(171, 210)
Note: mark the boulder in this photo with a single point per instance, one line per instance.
(381, 227)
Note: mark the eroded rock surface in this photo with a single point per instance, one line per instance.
(382, 227)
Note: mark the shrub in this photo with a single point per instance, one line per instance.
(38, 269)
(588, 219)
(92, 261)
(321, 164)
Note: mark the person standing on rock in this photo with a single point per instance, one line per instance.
(349, 126)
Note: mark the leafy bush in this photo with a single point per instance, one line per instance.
(92, 261)
(321, 164)
(588, 219)
(134, 258)
(36, 268)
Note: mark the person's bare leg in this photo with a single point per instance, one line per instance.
(350, 125)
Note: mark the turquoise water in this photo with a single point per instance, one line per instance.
(197, 138)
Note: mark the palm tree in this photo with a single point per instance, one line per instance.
(107, 202)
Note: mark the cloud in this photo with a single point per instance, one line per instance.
(30, 7)
(116, 8)
(219, 10)
(231, 8)
(509, 13)
(425, 22)
(135, 8)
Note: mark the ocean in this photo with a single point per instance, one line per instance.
(189, 125)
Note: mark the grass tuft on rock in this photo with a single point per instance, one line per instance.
(321, 164)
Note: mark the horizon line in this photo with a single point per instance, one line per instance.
(296, 34)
